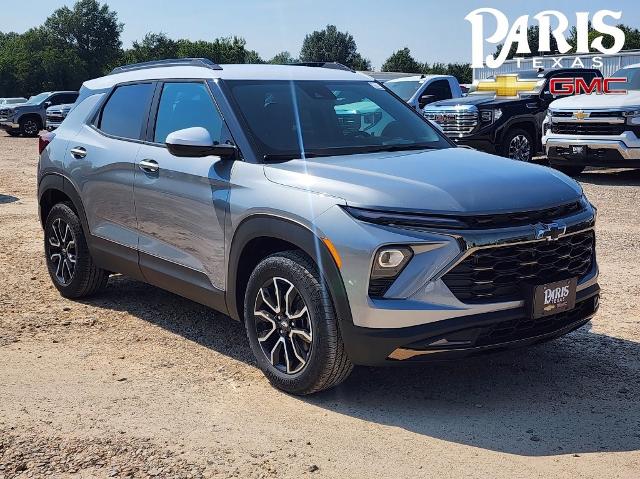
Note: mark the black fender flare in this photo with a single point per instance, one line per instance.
(57, 182)
(270, 226)
(515, 123)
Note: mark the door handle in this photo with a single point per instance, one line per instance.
(78, 152)
(149, 166)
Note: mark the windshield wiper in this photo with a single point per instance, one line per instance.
(401, 148)
(293, 156)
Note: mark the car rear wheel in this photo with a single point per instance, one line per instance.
(518, 145)
(30, 127)
(292, 326)
(69, 262)
(569, 169)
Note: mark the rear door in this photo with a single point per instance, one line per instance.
(181, 203)
(101, 160)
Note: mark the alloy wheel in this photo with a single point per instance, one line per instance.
(30, 127)
(520, 148)
(62, 251)
(283, 325)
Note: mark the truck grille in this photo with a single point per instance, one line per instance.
(589, 128)
(500, 273)
(454, 122)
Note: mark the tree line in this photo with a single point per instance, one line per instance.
(84, 41)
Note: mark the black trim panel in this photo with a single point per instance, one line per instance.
(292, 232)
(182, 281)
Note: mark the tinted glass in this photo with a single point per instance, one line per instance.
(633, 79)
(404, 89)
(439, 89)
(37, 99)
(185, 105)
(320, 118)
(126, 111)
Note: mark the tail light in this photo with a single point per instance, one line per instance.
(43, 141)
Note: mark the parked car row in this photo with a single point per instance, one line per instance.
(30, 116)
(517, 116)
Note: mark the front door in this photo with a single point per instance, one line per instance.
(181, 203)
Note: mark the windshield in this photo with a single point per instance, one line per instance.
(322, 118)
(632, 76)
(36, 100)
(404, 89)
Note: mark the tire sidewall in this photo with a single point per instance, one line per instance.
(320, 310)
(511, 134)
(83, 258)
(23, 126)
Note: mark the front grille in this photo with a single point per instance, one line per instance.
(592, 114)
(454, 122)
(501, 273)
(589, 128)
(502, 220)
(378, 287)
(525, 327)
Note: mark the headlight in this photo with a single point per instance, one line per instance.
(497, 114)
(489, 116)
(410, 220)
(633, 117)
(388, 263)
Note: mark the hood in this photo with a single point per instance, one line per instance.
(453, 180)
(595, 101)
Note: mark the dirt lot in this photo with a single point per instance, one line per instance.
(138, 382)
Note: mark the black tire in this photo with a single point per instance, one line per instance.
(327, 363)
(511, 142)
(13, 132)
(30, 126)
(86, 278)
(569, 170)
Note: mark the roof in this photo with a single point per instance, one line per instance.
(418, 78)
(635, 65)
(228, 72)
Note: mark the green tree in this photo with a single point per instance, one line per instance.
(253, 56)
(154, 46)
(332, 45)
(283, 58)
(402, 61)
(462, 71)
(91, 29)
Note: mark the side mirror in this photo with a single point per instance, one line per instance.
(196, 142)
(47, 104)
(425, 100)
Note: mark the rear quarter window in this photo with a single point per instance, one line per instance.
(126, 111)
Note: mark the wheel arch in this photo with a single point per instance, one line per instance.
(260, 235)
(523, 124)
(55, 188)
(34, 115)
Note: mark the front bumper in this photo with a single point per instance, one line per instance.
(603, 151)
(8, 125)
(465, 336)
(53, 124)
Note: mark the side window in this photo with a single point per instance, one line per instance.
(187, 105)
(55, 100)
(439, 90)
(69, 98)
(126, 111)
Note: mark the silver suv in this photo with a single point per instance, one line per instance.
(315, 206)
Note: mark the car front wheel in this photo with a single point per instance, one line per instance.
(30, 127)
(518, 145)
(292, 326)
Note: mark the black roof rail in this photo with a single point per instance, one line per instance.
(172, 62)
(331, 65)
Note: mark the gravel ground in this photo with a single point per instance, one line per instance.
(141, 383)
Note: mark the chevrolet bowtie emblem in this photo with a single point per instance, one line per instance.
(580, 115)
(507, 85)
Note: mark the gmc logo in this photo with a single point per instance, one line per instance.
(578, 86)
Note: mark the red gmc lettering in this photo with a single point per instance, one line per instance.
(577, 86)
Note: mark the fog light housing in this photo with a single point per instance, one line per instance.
(388, 263)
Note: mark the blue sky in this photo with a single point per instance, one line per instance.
(433, 30)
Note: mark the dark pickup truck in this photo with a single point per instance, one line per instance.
(504, 115)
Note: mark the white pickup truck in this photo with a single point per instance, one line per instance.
(596, 129)
(420, 90)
